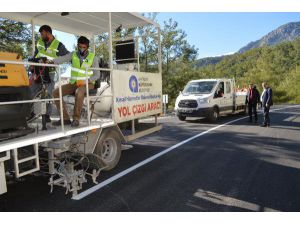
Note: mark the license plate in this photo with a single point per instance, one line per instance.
(186, 110)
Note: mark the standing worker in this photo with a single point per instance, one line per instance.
(252, 99)
(47, 47)
(267, 102)
(81, 60)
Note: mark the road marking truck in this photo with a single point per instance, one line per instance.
(112, 114)
(209, 98)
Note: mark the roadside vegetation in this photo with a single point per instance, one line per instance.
(279, 65)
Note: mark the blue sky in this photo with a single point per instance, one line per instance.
(218, 33)
(221, 33)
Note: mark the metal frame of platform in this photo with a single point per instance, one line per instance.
(48, 135)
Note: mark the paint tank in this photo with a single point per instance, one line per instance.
(103, 105)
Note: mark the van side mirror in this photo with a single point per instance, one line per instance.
(180, 92)
(215, 95)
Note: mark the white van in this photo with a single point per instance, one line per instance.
(209, 98)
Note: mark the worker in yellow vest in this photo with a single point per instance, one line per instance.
(47, 47)
(82, 60)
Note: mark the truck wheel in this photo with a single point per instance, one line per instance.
(109, 149)
(181, 118)
(214, 115)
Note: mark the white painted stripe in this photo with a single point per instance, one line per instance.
(150, 159)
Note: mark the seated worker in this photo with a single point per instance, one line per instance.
(80, 60)
(220, 93)
(220, 90)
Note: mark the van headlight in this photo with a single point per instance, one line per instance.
(203, 100)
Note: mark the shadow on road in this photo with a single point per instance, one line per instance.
(257, 169)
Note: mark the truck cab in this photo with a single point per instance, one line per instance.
(208, 98)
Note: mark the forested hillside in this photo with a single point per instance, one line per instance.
(278, 65)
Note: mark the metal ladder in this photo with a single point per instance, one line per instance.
(18, 161)
(3, 157)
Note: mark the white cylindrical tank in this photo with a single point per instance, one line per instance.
(104, 102)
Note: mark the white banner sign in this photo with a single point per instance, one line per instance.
(136, 94)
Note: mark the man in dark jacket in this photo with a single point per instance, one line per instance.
(267, 102)
(251, 100)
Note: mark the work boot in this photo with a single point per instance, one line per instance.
(75, 123)
(58, 123)
(48, 119)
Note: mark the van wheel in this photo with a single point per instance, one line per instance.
(182, 118)
(109, 149)
(214, 115)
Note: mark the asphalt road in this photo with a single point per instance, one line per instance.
(237, 167)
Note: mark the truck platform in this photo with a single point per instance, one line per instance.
(52, 134)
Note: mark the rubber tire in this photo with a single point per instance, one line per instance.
(212, 117)
(181, 118)
(109, 133)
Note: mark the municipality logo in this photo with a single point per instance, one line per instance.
(133, 84)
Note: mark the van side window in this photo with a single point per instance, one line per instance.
(220, 90)
(228, 87)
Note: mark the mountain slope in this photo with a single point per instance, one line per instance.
(208, 61)
(287, 32)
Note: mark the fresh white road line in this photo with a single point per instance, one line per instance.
(150, 159)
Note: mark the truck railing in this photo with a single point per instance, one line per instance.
(58, 70)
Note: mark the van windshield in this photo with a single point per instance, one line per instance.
(199, 87)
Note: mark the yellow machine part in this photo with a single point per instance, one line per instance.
(12, 75)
